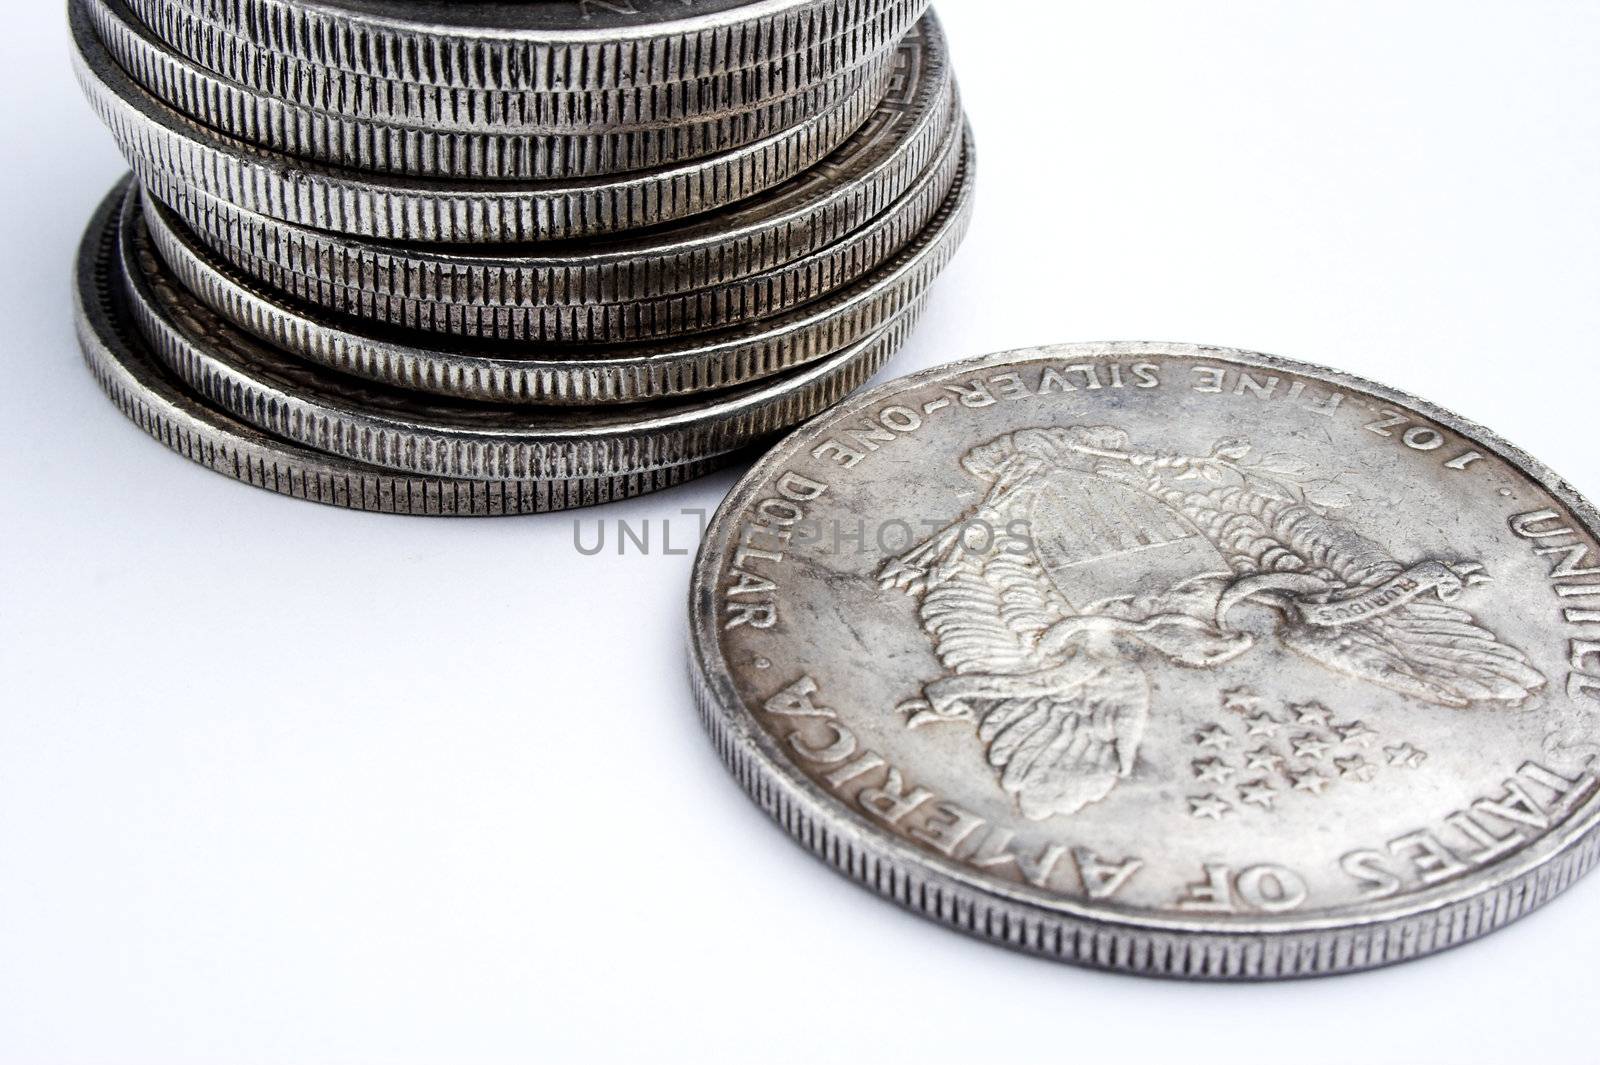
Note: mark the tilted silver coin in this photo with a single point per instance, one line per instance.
(1161, 658)
(153, 399)
(550, 47)
(349, 141)
(284, 395)
(555, 374)
(593, 96)
(160, 143)
(783, 247)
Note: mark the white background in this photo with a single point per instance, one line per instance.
(280, 783)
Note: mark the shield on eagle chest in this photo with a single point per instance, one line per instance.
(1099, 539)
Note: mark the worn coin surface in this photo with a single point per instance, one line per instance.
(161, 144)
(1161, 658)
(563, 374)
(284, 395)
(158, 403)
(343, 139)
(816, 231)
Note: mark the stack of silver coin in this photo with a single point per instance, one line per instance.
(444, 258)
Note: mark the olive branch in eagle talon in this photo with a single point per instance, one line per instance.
(1058, 692)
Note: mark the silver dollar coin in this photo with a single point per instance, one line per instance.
(161, 144)
(564, 374)
(410, 431)
(340, 138)
(678, 81)
(496, 299)
(158, 403)
(1166, 659)
(724, 45)
(792, 243)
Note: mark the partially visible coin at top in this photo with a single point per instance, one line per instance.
(162, 145)
(547, 46)
(615, 87)
(330, 133)
(1161, 658)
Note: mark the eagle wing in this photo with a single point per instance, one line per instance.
(1059, 733)
(984, 604)
(987, 616)
(1425, 649)
(1058, 753)
(1260, 532)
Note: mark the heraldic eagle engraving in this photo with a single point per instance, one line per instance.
(1050, 669)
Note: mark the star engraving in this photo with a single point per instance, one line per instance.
(1308, 746)
(1209, 807)
(1312, 713)
(1356, 768)
(1405, 756)
(1311, 782)
(1260, 724)
(1356, 732)
(1263, 757)
(1258, 793)
(1214, 736)
(1240, 700)
(1214, 769)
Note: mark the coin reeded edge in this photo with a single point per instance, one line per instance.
(797, 338)
(485, 57)
(1037, 922)
(197, 345)
(142, 391)
(155, 139)
(614, 297)
(431, 151)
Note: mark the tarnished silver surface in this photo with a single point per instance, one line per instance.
(780, 248)
(161, 145)
(1167, 659)
(153, 399)
(702, 47)
(349, 141)
(408, 431)
(552, 374)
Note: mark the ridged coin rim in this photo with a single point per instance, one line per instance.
(630, 104)
(441, 289)
(816, 277)
(148, 396)
(157, 140)
(588, 376)
(504, 58)
(351, 142)
(298, 401)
